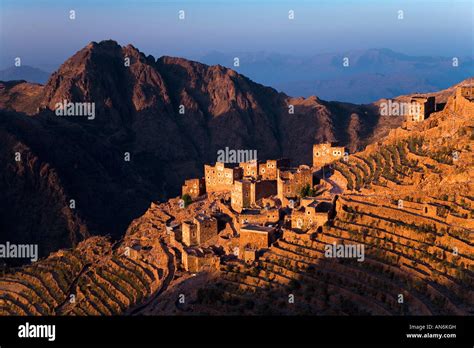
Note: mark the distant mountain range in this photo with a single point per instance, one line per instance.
(24, 72)
(371, 75)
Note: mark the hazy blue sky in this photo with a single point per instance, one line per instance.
(41, 33)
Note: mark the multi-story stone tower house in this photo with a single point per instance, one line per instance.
(194, 187)
(326, 153)
(200, 230)
(290, 181)
(268, 170)
(240, 196)
(248, 192)
(221, 177)
(421, 108)
(250, 169)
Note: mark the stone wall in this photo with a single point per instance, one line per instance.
(265, 216)
(206, 229)
(460, 104)
(262, 189)
(189, 233)
(200, 230)
(255, 239)
(197, 263)
(241, 195)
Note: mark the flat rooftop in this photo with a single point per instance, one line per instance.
(257, 228)
(203, 217)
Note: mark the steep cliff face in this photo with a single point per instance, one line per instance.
(169, 116)
(35, 208)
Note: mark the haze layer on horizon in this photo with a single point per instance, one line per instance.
(43, 35)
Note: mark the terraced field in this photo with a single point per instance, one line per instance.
(408, 262)
(94, 279)
(409, 202)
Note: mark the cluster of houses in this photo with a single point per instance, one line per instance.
(265, 198)
(271, 198)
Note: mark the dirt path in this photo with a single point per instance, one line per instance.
(138, 310)
(336, 189)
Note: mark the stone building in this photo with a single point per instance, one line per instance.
(269, 170)
(313, 214)
(221, 177)
(240, 195)
(259, 216)
(255, 237)
(264, 170)
(248, 192)
(262, 189)
(290, 181)
(325, 153)
(463, 100)
(194, 188)
(200, 230)
(198, 259)
(250, 169)
(422, 108)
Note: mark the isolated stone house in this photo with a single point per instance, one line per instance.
(424, 107)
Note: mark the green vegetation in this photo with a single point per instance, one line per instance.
(307, 191)
(186, 199)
